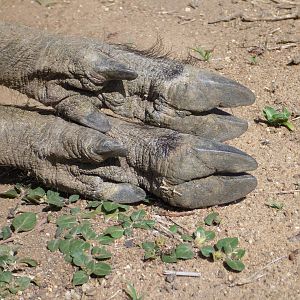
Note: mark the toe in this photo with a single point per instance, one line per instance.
(197, 158)
(201, 91)
(214, 190)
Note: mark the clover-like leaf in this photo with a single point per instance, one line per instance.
(66, 221)
(228, 245)
(24, 222)
(235, 265)
(212, 219)
(115, 232)
(169, 258)
(100, 269)
(53, 198)
(35, 195)
(5, 233)
(20, 284)
(105, 239)
(11, 194)
(184, 251)
(5, 276)
(173, 228)
(53, 245)
(207, 251)
(73, 198)
(28, 261)
(101, 253)
(145, 224)
(80, 277)
(109, 207)
(138, 215)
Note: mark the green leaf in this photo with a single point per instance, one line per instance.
(235, 265)
(87, 232)
(114, 231)
(109, 206)
(74, 211)
(122, 218)
(20, 284)
(184, 251)
(275, 205)
(66, 221)
(53, 245)
(138, 215)
(212, 219)
(11, 194)
(132, 293)
(54, 199)
(207, 251)
(275, 118)
(147, 246)
(186, 238)
(28, 261)
(80, 259)
(238, 253)
(169, 258)
(93, 204)
(145, 224)
(35, 195)
(64, 246)
(101, 253)
(78, 246)
(105, 239)
(5, 276)
(80, 277)
(209, 235)
(227, 245)
(5, 233)
(173, 228)
(289, 125)
(73, 198)
(101, 269)
(24, 222)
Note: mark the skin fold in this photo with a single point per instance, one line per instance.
(126, 122)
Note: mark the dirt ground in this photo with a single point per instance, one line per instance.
(263, 231)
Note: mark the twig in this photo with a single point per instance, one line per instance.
(281, 192)
(182, 273)
(115, 294)
(227, 18)
(244, 18)
(293, 16)
(257, 274)
(281, 47)
(175, 214)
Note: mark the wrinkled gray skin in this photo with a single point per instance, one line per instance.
(161, 132)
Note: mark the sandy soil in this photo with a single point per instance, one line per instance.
(264, 232)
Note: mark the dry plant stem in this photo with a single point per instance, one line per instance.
(182, 273)
(258, 274)
(176, 214)
(244, 18)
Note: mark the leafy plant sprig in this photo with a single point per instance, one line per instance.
(276, 118)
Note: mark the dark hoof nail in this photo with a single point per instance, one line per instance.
(127, 193)
(96, 120)
(111, 148)
(113, 70)
(213, 190)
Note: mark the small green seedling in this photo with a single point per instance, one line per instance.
(253, 60)
(205, 55)
(275, 118)
(276, 205)
(132, 293)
